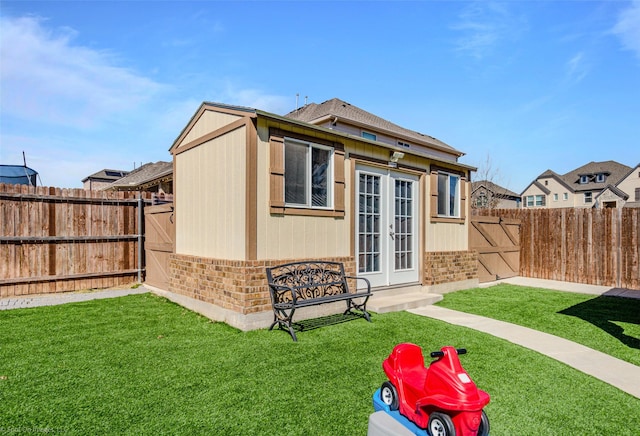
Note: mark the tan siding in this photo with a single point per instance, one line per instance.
(630, 184)
(443, 236)
(208, 122)
(210, 184)
(294, 237)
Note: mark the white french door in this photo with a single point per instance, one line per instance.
(386, 226)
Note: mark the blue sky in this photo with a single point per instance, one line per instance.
(527, 85)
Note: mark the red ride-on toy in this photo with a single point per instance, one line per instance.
(442, 398)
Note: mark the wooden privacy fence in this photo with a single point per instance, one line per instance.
(593, 246)
(497, 241)
(56, 240)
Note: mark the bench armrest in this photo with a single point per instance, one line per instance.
(278, 290)
(360, 278)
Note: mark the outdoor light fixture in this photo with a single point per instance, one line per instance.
(395, 156)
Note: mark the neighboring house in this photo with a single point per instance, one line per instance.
(18, 175)
(151, 177)
(577, 188)
(327, 181)
(102, 178)
(488, 195)
(626, 193)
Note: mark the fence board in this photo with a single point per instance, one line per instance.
(57, 240)
(592, 246)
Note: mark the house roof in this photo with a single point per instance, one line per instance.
(615, 172)
(628, 173)
(253, 113)
(335, 108)
(106, 175)
(146, 173)
(493, 187)
(615, 191)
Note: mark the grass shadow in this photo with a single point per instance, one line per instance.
(323, 321)
(604, 311)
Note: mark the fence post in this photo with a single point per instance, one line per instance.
(619, 249)
(140, 236)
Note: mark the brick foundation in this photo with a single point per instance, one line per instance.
(441, 267)
(235, 285)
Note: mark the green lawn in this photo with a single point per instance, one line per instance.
(607, 324)
(142, 365)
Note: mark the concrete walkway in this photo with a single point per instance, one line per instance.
(623, 375)
(27, 301)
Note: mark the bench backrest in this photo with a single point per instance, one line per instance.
(308, 279)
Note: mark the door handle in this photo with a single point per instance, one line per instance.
(391, 232)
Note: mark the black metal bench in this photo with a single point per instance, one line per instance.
(304, 284)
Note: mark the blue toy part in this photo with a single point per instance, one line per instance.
(409, 425)
(379, 405)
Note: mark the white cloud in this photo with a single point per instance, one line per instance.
(45, 76)
(483, 25)
(576, 68)
(256, 98)
(627, 28)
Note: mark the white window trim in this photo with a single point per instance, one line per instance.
(330, 179)
(590, 198)
(555, 197)
(600, 178)
(457, 197)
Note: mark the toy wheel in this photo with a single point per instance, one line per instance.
(389, 395)
(440, 424)
(483, 430)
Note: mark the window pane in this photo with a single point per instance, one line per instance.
(319, 177)
(295, 173)
(453, 196)
(442, 194)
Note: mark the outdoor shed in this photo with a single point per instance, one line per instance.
(328, 181)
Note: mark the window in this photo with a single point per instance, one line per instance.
(600, 178)
(534, 200)
(546, 183)
(367, 135)
(637, 194)
(528, 201)
(584, 180)
(404, 144)
(448, 195)
(555, 197)
(588, 197)
(565, 196)
(307, 174)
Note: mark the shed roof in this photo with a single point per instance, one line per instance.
(313, 113)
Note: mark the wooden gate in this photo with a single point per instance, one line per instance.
(160, 236)
(497, 241)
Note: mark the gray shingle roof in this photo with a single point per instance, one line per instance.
(495, 188)
(336, 107)
(106, 175)
(613, 170)
(143, 174)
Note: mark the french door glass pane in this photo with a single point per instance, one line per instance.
(403, 228)
(369, 223)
